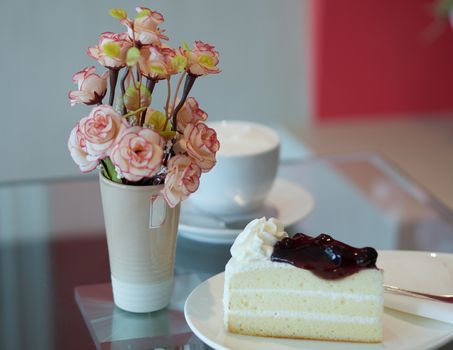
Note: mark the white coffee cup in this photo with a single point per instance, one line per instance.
(246, 166)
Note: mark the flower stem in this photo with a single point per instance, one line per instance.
(113, 77)
(187, 86)
(177, 91)
(134, 81)
(167, 103)
(150, 84)
(142, 118)
(123, 89)
(141, 109)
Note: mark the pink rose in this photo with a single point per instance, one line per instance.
(98, 52)
(156, 62)
(182, 179)
(201, 145)
(202, 59)
(91, 87)
(145, 25)
(137, 153)
(76, 145)
(190, 113)
(99, 131)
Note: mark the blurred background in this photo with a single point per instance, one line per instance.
(340, 75)
(335, 76)
(262, 49)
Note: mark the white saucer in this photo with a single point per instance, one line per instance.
(204, 311)
(286, 201)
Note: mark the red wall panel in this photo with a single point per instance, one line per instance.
(373, 57)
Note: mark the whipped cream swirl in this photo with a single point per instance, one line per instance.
(257, 240)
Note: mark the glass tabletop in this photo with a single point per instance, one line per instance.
(54, 269)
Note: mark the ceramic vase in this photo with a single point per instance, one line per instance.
(141, 236)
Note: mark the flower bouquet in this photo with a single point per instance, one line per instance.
(150, 159)
(132, 142)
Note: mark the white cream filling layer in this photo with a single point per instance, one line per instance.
(234, 266)
(308, 293)
(307, 316)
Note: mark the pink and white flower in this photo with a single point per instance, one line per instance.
(99, 53)
(201, 145)
(76, 146)
(137, 153)
(156, 62)
(202, 59)
(146, 31)
(99, 131)
(190, 113)
(183, 178)
(91, 87)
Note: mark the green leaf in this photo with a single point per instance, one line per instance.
(157, 119)
(111, 170)
(118, 13)
(179, 62)
(134, 100)
(157, 69)
(111, 49)
(185, 45)
(104, 170)
(159, 123)
(142, 13)
(167, 134)
(133, 54)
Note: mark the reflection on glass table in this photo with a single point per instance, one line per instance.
(113, 328)
(52, 240)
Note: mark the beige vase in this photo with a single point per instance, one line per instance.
(141, 236)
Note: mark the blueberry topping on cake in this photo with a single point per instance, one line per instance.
(323, 255)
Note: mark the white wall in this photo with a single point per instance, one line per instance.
(262, 45)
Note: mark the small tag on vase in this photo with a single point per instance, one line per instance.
(157, 211)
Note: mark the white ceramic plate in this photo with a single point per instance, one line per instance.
(286, 201)
(204, 313)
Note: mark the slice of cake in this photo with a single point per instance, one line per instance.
(301, 287)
